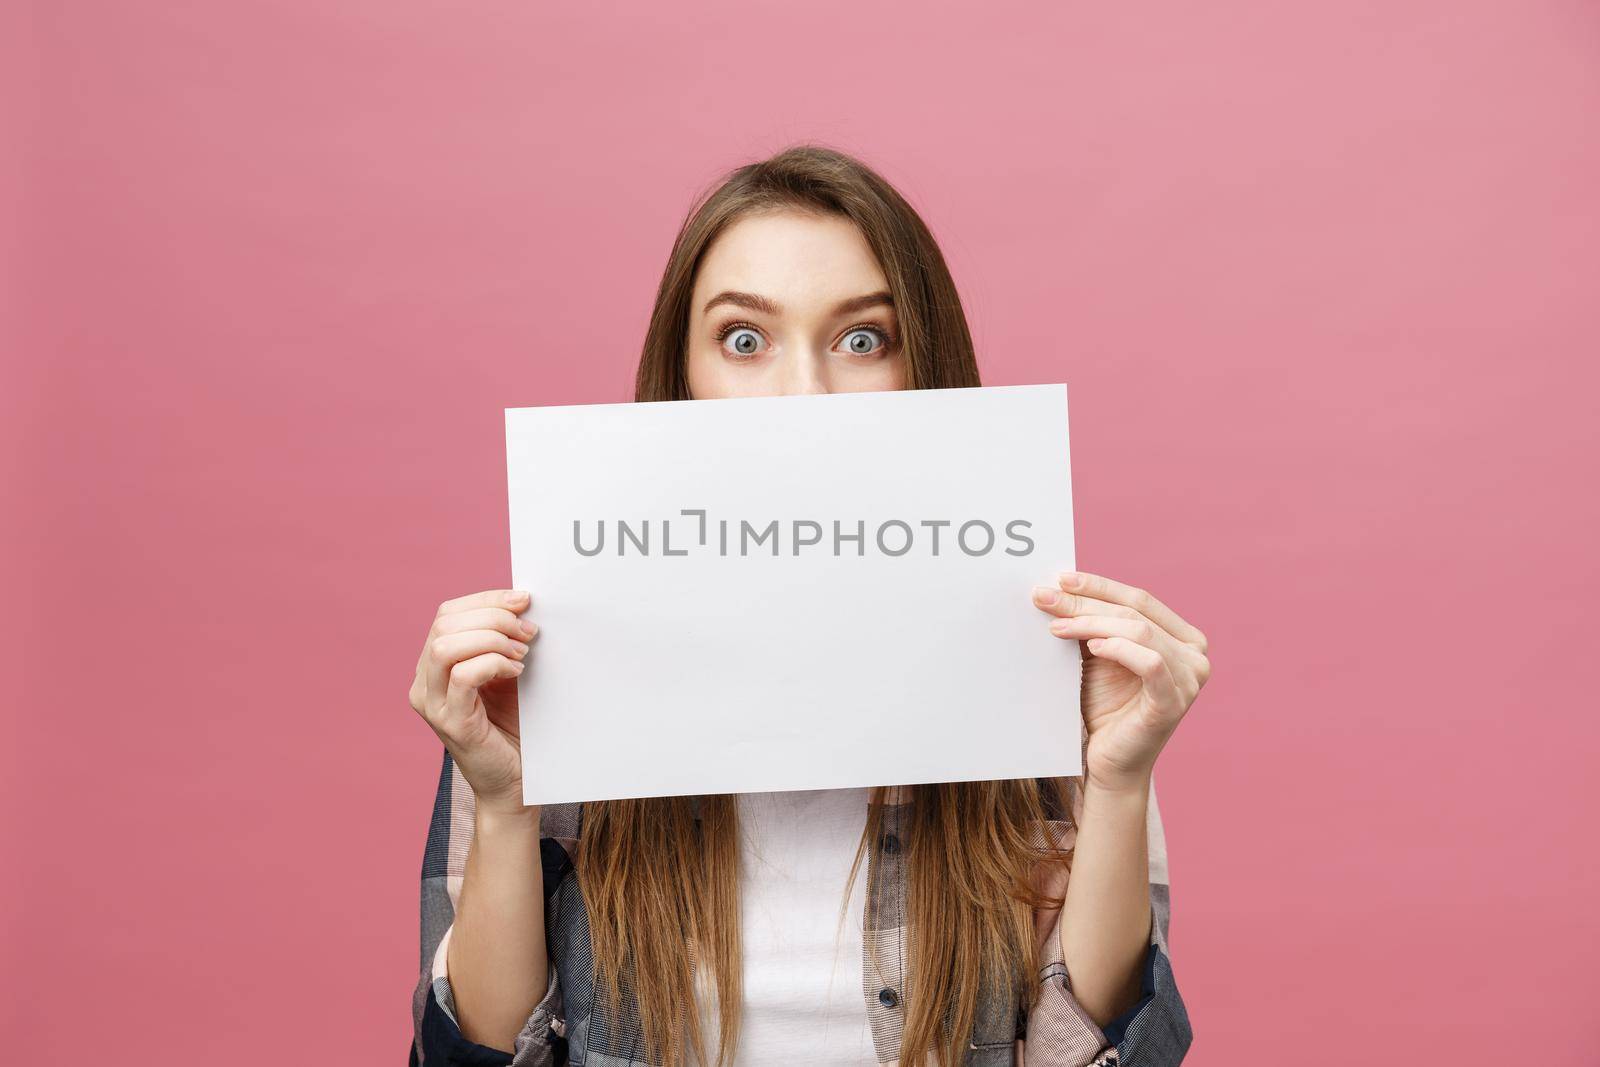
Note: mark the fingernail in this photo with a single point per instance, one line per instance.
(516, 668)
(1070, 578)
(1061, 626)
(1046, 597)
(528, 628)
(519, 649)
(1094, 645)
(519, 594)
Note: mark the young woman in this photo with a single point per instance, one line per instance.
(736, 929)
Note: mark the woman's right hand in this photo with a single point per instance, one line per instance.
(466, 689)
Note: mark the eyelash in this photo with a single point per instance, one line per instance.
(889, 339)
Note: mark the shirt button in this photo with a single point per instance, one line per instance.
(887, 998)
(891, 844)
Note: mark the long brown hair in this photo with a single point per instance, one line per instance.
(660, 876)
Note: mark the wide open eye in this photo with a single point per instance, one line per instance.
(864, 341)
(743, 342)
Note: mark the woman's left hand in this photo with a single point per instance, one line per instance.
(1143, 668)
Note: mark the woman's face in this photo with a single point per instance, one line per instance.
(789, 302)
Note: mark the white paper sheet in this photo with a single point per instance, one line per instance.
(685, 657)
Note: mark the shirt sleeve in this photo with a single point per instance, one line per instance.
(436, 1036)
(1154, 1032)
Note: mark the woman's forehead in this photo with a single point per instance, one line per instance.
(801, 261)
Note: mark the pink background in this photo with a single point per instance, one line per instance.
(1323, 279)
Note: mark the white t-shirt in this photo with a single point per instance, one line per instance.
(803, 998)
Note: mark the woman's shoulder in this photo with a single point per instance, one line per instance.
(561, 822)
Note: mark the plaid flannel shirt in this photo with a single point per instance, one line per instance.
(573, 1023)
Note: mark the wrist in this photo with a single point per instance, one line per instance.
(1120, 789)
(503, 820)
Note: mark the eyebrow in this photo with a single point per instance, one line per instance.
(756, 302)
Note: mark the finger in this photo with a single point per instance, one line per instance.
(1131, 624)
(1147, 663)
(1202, 667)
(1101, 588)
(1195, 660)
(461, 692)
(445, 651)
(430, 678)
(1062, 604)
(502, 619)
(515, 599)
(1140, 631)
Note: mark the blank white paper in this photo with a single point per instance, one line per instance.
(710, 622)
